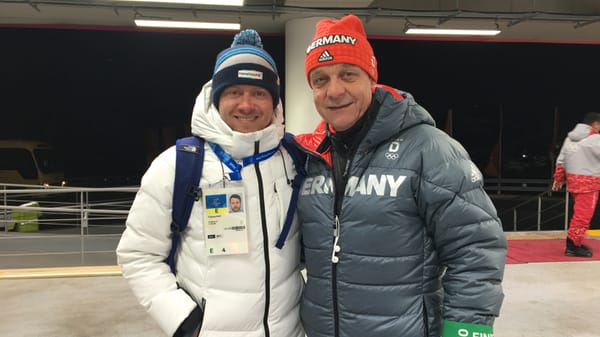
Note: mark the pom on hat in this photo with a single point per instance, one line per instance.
(249, 37)
(245, 62)
(341, 41)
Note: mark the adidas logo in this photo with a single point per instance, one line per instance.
(475, 174)
(325, 56)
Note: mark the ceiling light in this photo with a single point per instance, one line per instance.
(197, 2)
(436, 31)
(187, 24)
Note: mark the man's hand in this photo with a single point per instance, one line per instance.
(190, 327)
(557, 185)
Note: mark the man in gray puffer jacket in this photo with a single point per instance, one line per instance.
(399, 237)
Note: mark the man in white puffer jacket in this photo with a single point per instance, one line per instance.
(239, 284)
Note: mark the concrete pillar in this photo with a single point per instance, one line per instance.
(300, 113)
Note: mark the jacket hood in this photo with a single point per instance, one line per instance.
(579, 132)
(398, 111)
(208, 124)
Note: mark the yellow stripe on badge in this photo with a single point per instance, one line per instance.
(213, 211)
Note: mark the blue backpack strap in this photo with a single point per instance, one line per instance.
(299, 159)
(188, 170)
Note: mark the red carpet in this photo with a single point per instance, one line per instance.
(546, 250)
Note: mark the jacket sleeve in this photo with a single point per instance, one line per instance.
(466, 232)
(559, 171)
(146, 243)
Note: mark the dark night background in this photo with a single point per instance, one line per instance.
(112, 100)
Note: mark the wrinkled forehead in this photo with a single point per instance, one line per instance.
(335, 68)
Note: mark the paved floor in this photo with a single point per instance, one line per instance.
(542, 300)
(551, 300)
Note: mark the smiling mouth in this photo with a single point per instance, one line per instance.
(249, 119)
(338, 107)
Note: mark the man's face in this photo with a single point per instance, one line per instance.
(342, 93)
(246, 108)
(235, 204)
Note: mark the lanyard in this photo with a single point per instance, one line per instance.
(234, 166)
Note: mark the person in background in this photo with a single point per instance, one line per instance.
(399, 236)
(227, 282)
(578, 163)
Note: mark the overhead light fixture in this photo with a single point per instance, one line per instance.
(197, 2)
(186, 24)
(437, 31)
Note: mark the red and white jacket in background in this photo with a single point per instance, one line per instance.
(579, 160)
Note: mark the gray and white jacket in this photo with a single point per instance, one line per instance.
(579, 160)
(419, 239)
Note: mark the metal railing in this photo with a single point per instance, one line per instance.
(61, 226)
(536, 206)
(543, 211)
(503, 185)
(66, 226)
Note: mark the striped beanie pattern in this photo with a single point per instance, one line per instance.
(245, 62)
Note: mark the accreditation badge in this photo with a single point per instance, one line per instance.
(225, 221)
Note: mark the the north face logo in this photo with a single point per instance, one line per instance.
(325, 56)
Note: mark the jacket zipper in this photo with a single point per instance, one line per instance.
(335, 249)
(425, 319)
(334, 260)
(336, 235)
(265, 234)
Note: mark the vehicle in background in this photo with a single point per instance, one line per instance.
(30, 162)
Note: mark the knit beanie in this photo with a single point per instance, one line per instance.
(341, 41)
(245, 62)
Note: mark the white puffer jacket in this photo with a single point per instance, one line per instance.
(250, 295)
